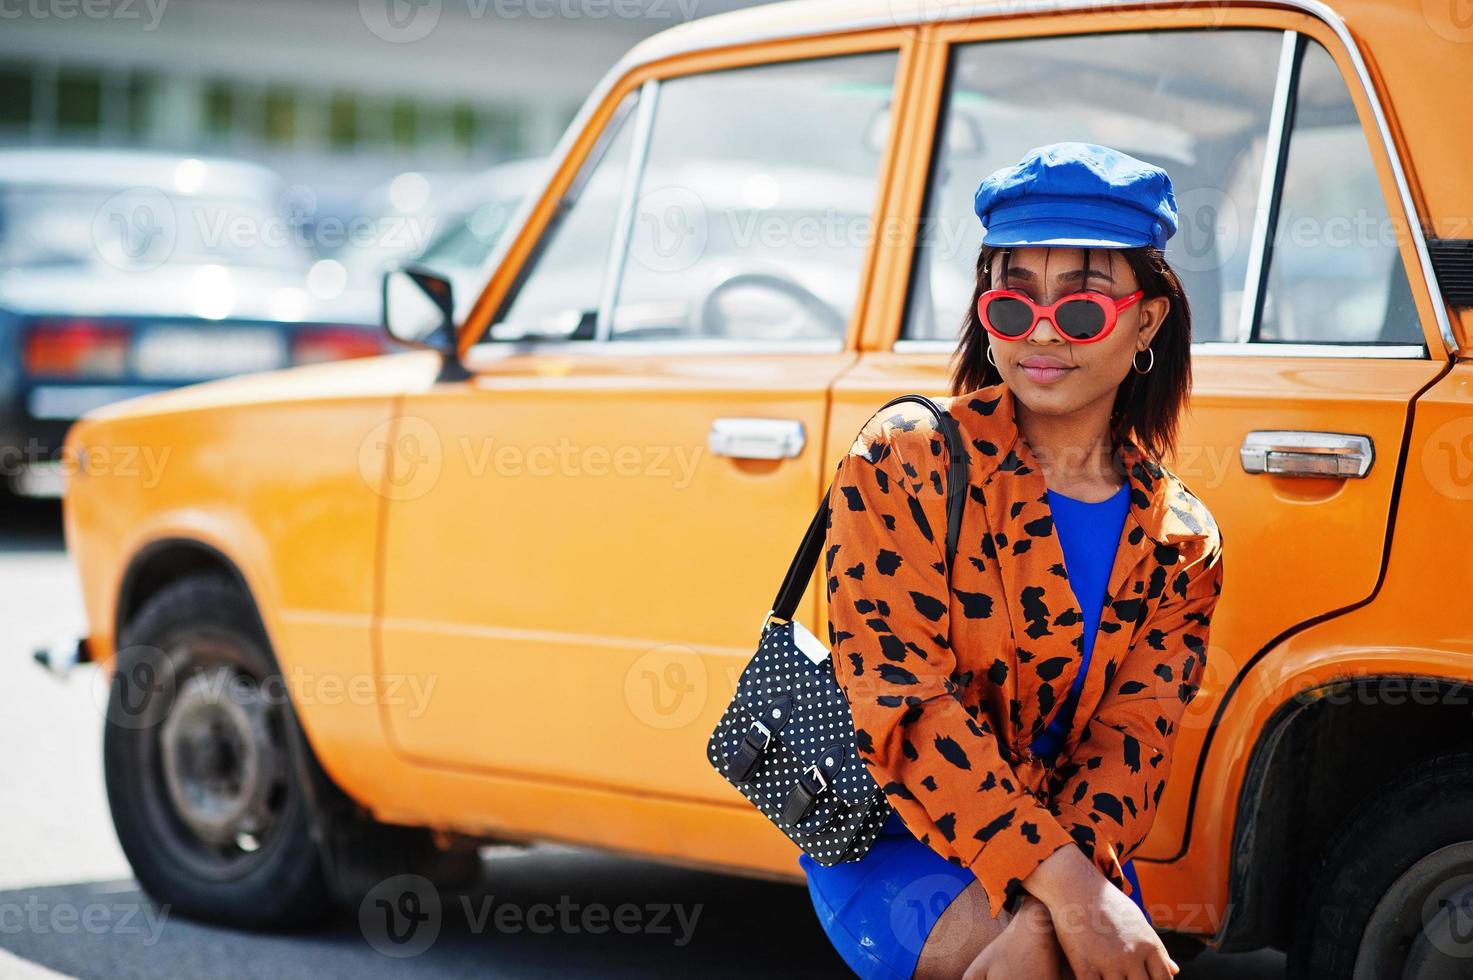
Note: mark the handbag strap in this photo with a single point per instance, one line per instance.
(800, 571)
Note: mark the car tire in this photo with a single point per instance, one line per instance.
(1391, 891)
(215, 825)
(220, 805)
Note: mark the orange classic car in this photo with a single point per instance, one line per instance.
(363, 616)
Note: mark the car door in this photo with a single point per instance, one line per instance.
(1309, 343)
(616, 491)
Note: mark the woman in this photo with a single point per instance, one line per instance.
(1021, 717)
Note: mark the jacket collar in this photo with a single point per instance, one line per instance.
(1160, 505)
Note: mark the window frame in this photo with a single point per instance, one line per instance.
(639, 156)
(1294, 41)
(528, 230)
(1266, 219)
(629, 109)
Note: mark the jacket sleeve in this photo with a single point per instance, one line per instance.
(939, 765)
(1106, 793)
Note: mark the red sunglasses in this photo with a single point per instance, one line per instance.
(1083, 317)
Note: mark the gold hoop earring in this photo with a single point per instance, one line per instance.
(1150, 364)
(989, 356)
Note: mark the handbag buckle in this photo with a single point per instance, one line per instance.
(744, 760)
(801, 800)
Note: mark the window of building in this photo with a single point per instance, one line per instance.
(79, 101)
(17, 95)
(279, 116)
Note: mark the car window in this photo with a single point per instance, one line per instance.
(1196, 103)
(137, 229)
(755, 201)
(1334, 273)
(557, 297)
(469, 234)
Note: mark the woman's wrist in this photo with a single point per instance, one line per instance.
(1034, 913)
(1064, 877)
(1033, 920)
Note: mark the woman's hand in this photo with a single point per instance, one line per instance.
(1103, 933)
(1026, 947)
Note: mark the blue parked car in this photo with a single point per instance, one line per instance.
(123, 273)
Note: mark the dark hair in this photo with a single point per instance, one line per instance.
(1146, 405)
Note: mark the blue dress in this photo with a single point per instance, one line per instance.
(878, 911)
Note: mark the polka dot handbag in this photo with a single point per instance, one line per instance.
(787, 740)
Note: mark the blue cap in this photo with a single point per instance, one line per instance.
(1080, 195)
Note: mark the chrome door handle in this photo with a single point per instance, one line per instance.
(755, 438)
(1293, 452)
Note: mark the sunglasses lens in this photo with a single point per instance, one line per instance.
(1009, 315)
(1081, 319)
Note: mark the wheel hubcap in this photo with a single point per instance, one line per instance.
(1445, 946)
(1422, 928)
(220, 761)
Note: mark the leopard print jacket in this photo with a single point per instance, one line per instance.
(949, 686)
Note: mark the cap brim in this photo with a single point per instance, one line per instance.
(1062, 234)
(1059, 242)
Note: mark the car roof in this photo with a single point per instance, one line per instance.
(798, 18)
(108, 168)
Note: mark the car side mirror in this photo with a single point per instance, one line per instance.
(419, 310)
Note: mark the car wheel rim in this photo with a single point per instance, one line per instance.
(219, 762)
(221, 786)
(1422, 928)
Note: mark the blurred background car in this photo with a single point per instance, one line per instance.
(123, 273)
(448, 220)
(106, 292)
